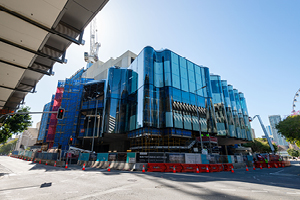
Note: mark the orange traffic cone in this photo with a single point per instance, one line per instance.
(66, 167)
(174, 169)
(55, 164)
(232, 171)
(197, 170)
(40, 162)
(260, 167)
(83, 167)
(253, 167)
(46, 162)
(276, 165)
(143, 168)
(283, 165)
(34, 161)
(108, 168)
(268, 166)
(279, 165)
(247, 168)
(207, 170)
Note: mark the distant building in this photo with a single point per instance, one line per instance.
(27, 138)
(253, 133)
(269, 131)
(277, 138)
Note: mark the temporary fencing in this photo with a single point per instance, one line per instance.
(189, 167)
(170, 167)
(156, 167)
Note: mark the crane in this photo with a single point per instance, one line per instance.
(92, 56)
(265, 131)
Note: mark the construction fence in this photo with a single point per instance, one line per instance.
(153, 157)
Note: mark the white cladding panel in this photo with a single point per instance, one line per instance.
(21, 32)
(41, 11)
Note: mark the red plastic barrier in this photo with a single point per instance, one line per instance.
(221, 168)
(214, 168)
(202, 167)
(156, 167)
(227, 167)
(170, 166)
(189, 168)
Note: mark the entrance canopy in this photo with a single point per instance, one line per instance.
(34, 34)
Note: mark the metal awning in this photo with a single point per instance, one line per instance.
(34, 35)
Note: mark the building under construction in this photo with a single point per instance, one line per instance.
(156, 101)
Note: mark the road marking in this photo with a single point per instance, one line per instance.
(258, 191)
(293, 192)
(229, 189)
(71, 192)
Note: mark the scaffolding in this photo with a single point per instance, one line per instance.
(71, 102)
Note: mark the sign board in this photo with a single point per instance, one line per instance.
(69, 155)
(192, 158)
(131, 160)
(204, 151)
(176, 158)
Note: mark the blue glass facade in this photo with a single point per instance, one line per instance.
(44, 121)
(155, 103)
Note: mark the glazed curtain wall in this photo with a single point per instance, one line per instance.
(230, 120)
(219, 105)
(161, 89)
(158, 90)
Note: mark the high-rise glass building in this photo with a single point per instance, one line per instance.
(156, 101)
(278, 139)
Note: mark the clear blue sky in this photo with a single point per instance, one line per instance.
(255, 45)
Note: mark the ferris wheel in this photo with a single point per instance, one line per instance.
(294, 112)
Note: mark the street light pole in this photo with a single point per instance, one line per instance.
(200, 134)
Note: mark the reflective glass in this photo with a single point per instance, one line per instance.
(168, 79)
(175, 81)
(184, 85)
(187, 122)
(178, 119)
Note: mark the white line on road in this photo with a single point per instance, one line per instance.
(258, 191)
(293, 192)
(229, 189)
(71, 192)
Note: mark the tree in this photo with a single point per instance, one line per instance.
(261, 145)
(15, 124)
(293, 152)
(290, 129)
(7, 147)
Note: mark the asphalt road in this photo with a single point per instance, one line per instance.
(26, 180)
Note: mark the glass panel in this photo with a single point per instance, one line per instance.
(197, 70)
(167, 66)
(183, 73)
(158, 80)
(187, 122)
(191, 75)
(169, 119)
(195, 123)
(176, 95)
(178, 119)
(168, 79)
(184, 85)
(190, 66)
(175, 69)
(192, 86)
(175, 81)
(185, 97)
(174, 58)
